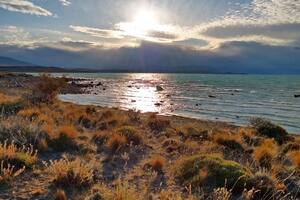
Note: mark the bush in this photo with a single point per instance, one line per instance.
(116, 142)
(190, 131)
(46, 89)
(267, 128)
(157, 125)
(218, 172)
(60, 195)
(264, 184)
(19, 157)
(131, 134)
(295, 158)
(66, 173)
(9, 104)
(156, 163)
(265, 153)
(19, 130)
(65, 139)
(228, 141)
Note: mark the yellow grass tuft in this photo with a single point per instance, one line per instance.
(10, 153)
(265, 153)
(7, 173)
(295, 158)
(116, 142)
(66, 173)
(68, 131)
(156, 163)
(60, 195)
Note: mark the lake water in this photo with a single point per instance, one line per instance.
(230, 98)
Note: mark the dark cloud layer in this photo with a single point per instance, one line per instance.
(233, 57)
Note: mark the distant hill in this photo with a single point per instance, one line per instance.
(6, 62)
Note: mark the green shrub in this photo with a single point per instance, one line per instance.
(267, 128)
(217, 172)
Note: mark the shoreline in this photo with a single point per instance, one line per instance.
(93, 152)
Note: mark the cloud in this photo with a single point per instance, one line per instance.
(24, 6)
(97, 32)
(244, 57)
(65, 2)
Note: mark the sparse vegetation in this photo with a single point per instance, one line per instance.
(157, 125)
(132, 134)
(9, 104)
(88, 150)
(218, 172)
(46, 90)
(116, 142)
(156, 163)
(7, 172)
(10, 153)
(71, 173)
(265, 153)
(268, 129)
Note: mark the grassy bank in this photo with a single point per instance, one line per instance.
(55, 150)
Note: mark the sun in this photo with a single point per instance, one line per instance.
(145, 20)
(142, 24)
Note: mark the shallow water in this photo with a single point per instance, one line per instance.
(230, 98)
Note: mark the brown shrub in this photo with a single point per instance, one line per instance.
(116, 142)
(9, 104)
(158, 125)
(295, 158)
(60, 195)
(265, 153)
(68, 130)
(229, 141)
(131, 133)
(65, 139)
(66, 173)
(156, 163)
(46, 89)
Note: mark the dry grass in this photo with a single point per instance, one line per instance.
(23, 156)
(183, 156)
(221, 194)
(5, 99)
(132, 134)
(295, 158)
(157, 124)
(9, 104)
(67, 173)
(230, 141)
(68, 131)
(46, 89)
(156, 163)
(7, 172)
(116, 142)
(122, 191)
(60, 195)
(265, 153)
(19, 130)
(64, 138)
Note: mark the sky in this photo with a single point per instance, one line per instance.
(243, 36)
